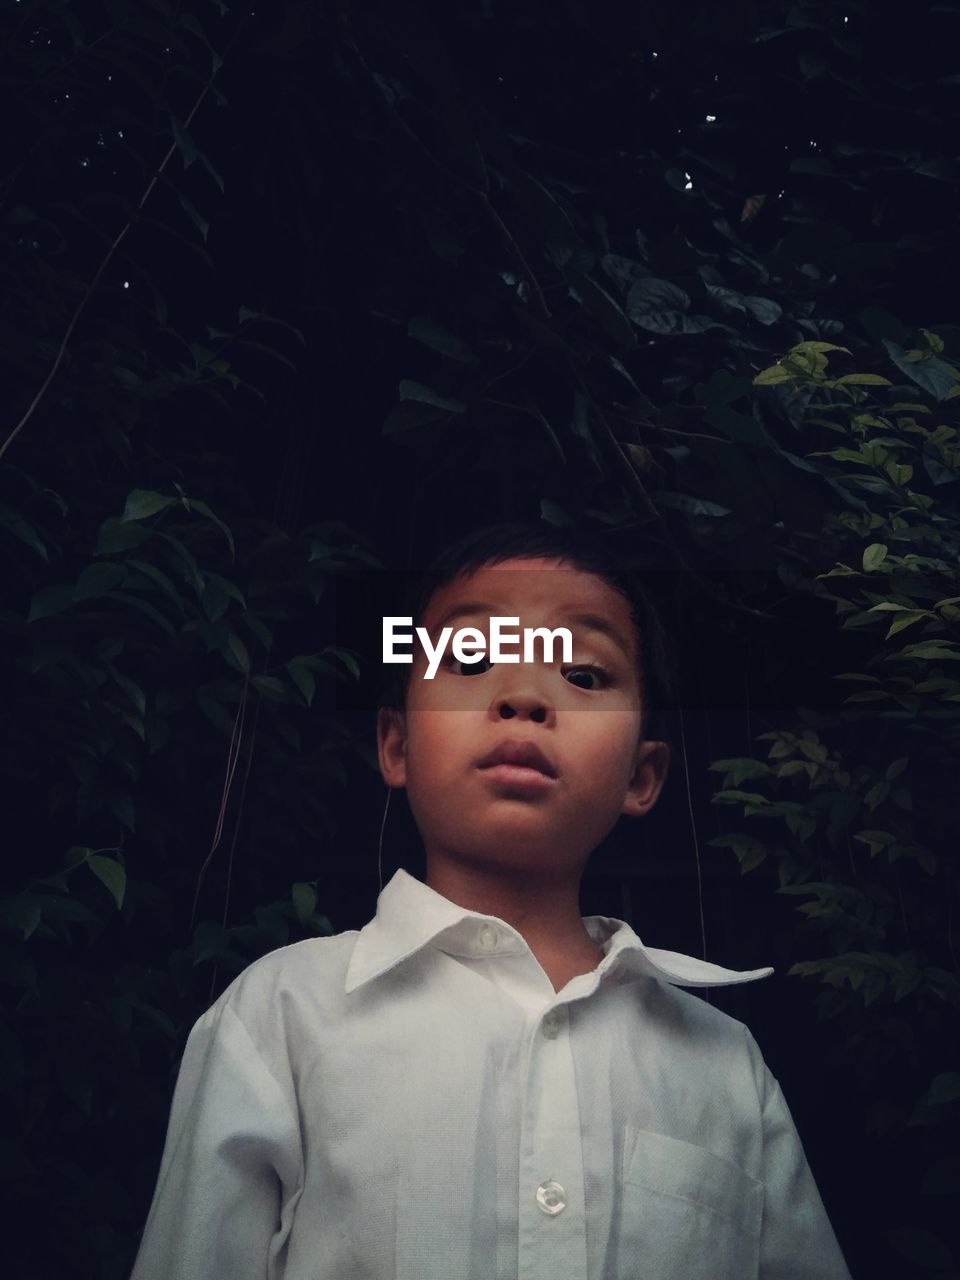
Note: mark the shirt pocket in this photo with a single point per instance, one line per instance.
(686, 1212)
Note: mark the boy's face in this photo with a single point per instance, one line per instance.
(583, 717)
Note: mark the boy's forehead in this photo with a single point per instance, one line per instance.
(526, 585)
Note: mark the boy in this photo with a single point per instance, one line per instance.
(481, 1083)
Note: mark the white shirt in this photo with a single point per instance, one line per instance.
(414, 1101)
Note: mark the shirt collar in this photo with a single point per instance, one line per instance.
(411, 915)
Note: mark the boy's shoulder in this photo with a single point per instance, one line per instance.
(312, 971)
(309, 979)
(688, 1009)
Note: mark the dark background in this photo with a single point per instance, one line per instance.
(292, 296)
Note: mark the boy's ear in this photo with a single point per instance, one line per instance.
(392, 746)
(649, 774)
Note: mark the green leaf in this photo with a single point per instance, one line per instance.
(49, 601)
(410, 390)
(815, 348)
(211, 941)
(793, 767)
(192, 573)
(205, 511)
(23, 912)
(944, 1088)
(899, 472)
(842, 455)
(159, 579)
(933, 375)
(877, 794)
(741, 770)
(237, 654)
(146, 608)
(214, 174)
(813, 749)
(260, 630)
(195, 216)
(874, 556)
(740, 797)
(906, 619)
(62, 908)
(75, 856)
(676, 323)
(246, 316)
(875, 840)
(921, 1248)
(214, 601)
(184, 142)
(721, 388)
(929, 650)
(303, 678)
(763, 309)
(943, 1177)
(143, 503)
(304, 901)
(824, 891)
(98, 579)
(349, 661)
(227, 587)
(774, 376)
(651, 297)
(743, 428)
(863, 380)
(132, 690)
(216, 713)
(426, 330)
(548, 216)
(19, 527)
(691, 505)
(121, 805)
(271, 688)
(111, 874)
(599, 304)
(116, 536)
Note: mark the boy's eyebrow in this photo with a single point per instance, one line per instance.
(589, 621)
(463, 610)
(597, 622)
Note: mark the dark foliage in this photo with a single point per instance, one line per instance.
(290, 291)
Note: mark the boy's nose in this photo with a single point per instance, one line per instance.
(523, 704)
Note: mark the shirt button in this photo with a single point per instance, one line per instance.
(551, 1025)
(551, 1198)
(488, 937)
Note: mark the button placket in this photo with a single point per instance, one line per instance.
(551, 1198)
(552, 1210)
(552, 1024)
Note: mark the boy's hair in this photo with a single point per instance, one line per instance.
(493, 544)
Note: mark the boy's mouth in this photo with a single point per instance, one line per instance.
(525, 755)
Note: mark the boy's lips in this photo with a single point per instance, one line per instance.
(524, 754)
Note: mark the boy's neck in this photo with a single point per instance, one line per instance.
(546, 914)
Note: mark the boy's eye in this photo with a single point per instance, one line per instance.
(468, 668)
(587, 677)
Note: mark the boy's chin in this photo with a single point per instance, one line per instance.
(509, 853)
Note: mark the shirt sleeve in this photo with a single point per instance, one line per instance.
(231, 1170)
(797, 1241)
